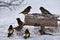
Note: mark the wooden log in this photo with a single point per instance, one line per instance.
(32, 19)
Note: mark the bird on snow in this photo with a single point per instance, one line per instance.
(44, 11)
(26, 11)
(10, 30)
(20, 23)
(18, 28)
(44, 33)
(26, 34)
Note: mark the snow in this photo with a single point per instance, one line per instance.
(33, 31)
(8, 17)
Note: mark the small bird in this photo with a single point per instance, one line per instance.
(10, 30)
(44, 33)
(26, 11)
(44, 11)
(20, 23)
(26, 34)
(18, 28)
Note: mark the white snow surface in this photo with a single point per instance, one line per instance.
(8, 17)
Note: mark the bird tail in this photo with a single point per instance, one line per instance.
(58, 19)
(10, 32)
(20, 13)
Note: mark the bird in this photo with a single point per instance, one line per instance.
(44, 33)
(10, 30)
(20, 23)
(26, 10)
(44, 11)
(26, 34)
(18, 28)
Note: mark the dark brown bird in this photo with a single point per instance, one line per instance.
(20, 23)
(10, 30)
(26, 34)
(18, 28)
(26, 11)
(44, 11)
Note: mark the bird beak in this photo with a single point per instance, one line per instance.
(20, 13)
(16, 18)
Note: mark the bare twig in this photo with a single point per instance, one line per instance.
(13, 1)
(5, 4)
(21, 1)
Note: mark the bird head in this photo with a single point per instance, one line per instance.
(41, 8)
(27, 30)
(29, 7)
(17, 18)
(10, 27)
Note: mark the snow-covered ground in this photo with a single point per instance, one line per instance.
(8, 17)
(34, 34)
